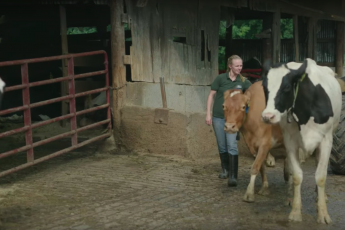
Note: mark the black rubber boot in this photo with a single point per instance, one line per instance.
(233, 163)
(224, 159)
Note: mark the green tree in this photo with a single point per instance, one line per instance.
(81, 30)
(286, 28)
(246, 29)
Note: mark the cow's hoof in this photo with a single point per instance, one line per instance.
(270, 161)
(295, 216)
(264, 191)
(323, 218)
(249, 198)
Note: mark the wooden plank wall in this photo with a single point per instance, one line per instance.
(154, 53)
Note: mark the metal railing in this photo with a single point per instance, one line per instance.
(28, 126)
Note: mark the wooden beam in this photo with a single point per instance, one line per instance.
(267, 42)
(315, 40)
(296, 37)
(117, 35)
(310, 38)
(340, 49)
(228, 44)
(64, 47)
(276, 37)
(296, 9)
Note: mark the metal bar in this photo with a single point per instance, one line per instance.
(39, 124)
(107, 85)
(38, 83)
(54, 138)
(16, 87)
(93, 125)
(90, 74)
(36, 125)
(45, 59)
(27, 112)
(72, 109)
(14, 131)
(46, 102)
(68, 97)
(56, 80)
(50, 81)
(18, 150)
(13, 110)
(91, 92)
(23, 166)
(92, 109)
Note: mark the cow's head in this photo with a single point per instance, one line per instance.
(278, 84)
(235, 103)
(2, 89)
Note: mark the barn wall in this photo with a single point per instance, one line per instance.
(181, 49)
(180, 98)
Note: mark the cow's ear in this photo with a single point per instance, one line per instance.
(227, 93)
(298, 73)
(248, 94)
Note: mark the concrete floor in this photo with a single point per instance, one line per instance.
(83, 190)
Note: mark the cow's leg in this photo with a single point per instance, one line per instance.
(317, 158)
(270, 160)
(297, 178)
(261, 156)
(321, 176)
(264, 188)
(288, 178)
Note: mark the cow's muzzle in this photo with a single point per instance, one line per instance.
(230, 127)
(268, 118)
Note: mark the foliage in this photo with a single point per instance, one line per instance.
(81, 30)
(286, 28)
(247, 29)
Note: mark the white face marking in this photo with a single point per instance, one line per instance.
(234, 93)
(275, 78)
(2, 85)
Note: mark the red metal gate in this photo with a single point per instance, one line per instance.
(72, 107)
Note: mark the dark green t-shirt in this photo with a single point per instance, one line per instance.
(221, 84)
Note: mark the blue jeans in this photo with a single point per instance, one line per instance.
(226, 142)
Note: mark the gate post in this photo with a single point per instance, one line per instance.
(117, 64)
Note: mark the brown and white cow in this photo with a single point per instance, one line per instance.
(259, 137)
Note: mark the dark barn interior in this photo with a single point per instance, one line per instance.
(34, 31)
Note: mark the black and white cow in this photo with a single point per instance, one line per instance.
(2, 89)
(305, 99)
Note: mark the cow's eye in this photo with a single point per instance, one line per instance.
(244, 107)
(223, 107)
